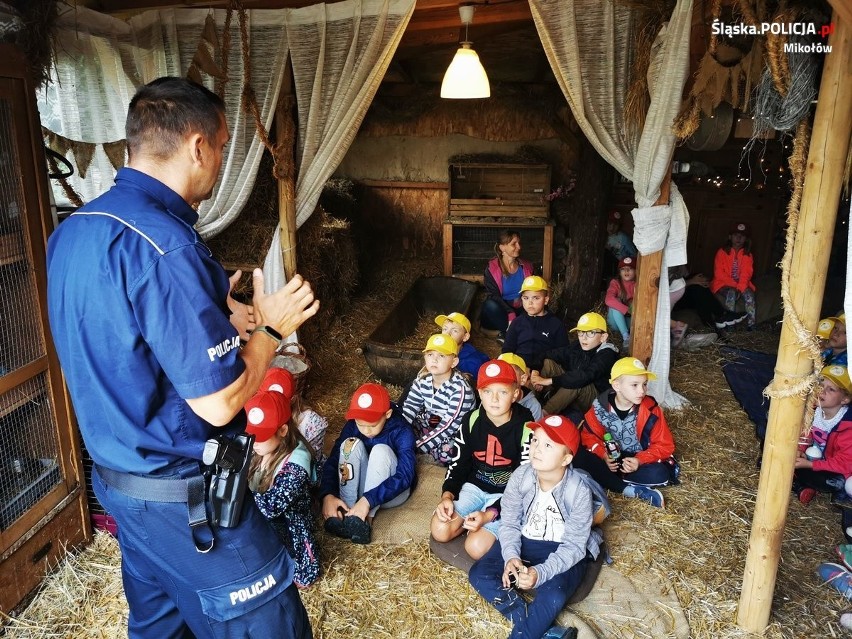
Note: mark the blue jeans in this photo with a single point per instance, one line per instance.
(529, 621)
(493, 316)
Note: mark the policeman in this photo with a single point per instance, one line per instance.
(149, 339)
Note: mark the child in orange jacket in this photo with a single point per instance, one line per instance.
(627, 445)
(733, 268)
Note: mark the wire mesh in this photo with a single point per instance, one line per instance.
(28, 439)
(473, 246)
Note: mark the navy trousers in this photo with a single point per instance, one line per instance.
(242, 587)
(529, 621)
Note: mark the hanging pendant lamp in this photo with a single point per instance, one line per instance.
(465, 77)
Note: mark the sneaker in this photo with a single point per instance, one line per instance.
(651, 495)
(730, 318)
(806, 495)
(846, 620)
(501, 337)
(837, 576)
(678, 333)
(334, 526)
(558, 632)
(694, 341)
(356, 529)
(844, 553)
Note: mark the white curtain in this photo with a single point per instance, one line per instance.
(102, 60)
(340, 53)
(586, 42)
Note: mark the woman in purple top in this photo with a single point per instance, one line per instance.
(503, 278)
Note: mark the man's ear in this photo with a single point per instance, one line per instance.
(569, 457)
(604, 337)
(196, 143)
(389, 413)
(455, 361)
(466, 337)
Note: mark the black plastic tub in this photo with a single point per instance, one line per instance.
(429, 296)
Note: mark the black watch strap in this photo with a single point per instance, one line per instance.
(269, 331)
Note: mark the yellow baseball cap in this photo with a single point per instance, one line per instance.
(443, 344)
(535, 283)
(458, 318)
(840, 318)
(824, 328)
(590, 322)
(629, 366)
(839, 375)
(514, 360)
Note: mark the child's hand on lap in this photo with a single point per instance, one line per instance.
(475, 520)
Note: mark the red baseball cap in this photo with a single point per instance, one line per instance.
(560, 429)
(266, 412)
(627, 261)
(495, 371)
(280, 380)
(614, 216)
(740, 227)
(369, 403)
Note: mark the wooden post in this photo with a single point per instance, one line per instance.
(647, 291)
(817, 215)
(285, 135)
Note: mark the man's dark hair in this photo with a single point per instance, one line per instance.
(166, 110)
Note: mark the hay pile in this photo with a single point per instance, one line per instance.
(697, 544)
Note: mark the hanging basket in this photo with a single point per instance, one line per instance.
(294, 358)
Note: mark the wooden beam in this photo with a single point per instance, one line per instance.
(647, 291)
(817, 215)
(842, 10)
(285, 135)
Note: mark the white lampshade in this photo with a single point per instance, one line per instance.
(465, 77)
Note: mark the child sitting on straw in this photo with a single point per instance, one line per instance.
(282, 472)
(491, 443)
(438, 400)
(824, 462)
(536, 329)
(371, 465)
(546, 536)
(577, 373)
(642, 454)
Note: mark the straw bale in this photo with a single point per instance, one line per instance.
(697, 545)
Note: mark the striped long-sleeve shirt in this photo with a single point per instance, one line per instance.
(436, 413)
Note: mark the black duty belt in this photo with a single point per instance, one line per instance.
(190, 491)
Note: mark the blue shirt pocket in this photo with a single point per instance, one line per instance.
(239, 597)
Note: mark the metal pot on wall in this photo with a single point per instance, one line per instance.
(713, 131)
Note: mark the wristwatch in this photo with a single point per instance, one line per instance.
(269, 331)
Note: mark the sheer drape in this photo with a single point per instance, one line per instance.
(586, 42)
(340, 53)
(101, 61)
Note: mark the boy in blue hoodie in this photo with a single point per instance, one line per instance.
(371, 465)
(536, 330)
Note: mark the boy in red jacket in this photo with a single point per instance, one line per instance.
(642, 446)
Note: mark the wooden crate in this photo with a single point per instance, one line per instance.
(499, 190)
(469, 244)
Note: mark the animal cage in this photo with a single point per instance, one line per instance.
(42, 500)
(469, 244)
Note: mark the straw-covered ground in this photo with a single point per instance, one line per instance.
(698, 543)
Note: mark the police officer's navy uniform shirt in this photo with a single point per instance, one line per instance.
(138, 311)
